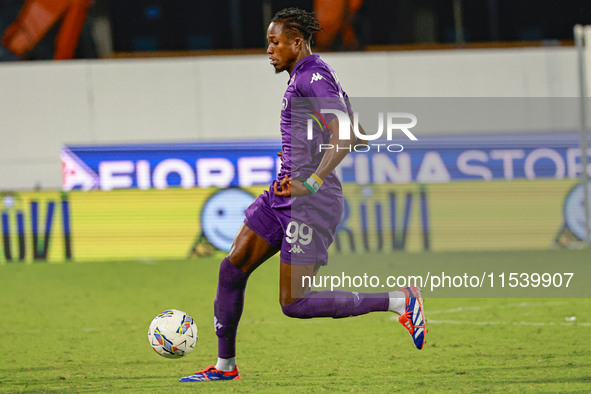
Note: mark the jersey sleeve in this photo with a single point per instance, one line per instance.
(348, 104)
(324, 92)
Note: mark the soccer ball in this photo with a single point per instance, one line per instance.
(173, 333)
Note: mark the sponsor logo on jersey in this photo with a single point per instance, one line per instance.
(316, 77)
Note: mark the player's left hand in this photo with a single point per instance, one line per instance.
(290, 188)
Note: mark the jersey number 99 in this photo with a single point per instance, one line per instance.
(298, 232)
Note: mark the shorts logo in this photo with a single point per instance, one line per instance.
(316, 77)
(296, 249)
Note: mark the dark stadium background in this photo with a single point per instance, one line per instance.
(189, 25)
(379, 21)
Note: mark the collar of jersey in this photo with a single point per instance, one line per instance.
(302, 62)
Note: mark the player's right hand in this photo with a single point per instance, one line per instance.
(290, 188)
(282, 188)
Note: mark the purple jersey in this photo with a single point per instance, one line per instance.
(303, 227)
(315, 79)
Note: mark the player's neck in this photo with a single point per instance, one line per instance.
(302, 55)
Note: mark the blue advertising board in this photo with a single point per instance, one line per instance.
(244, 163)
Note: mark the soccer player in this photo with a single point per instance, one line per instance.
(299, 213)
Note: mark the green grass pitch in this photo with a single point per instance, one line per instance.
(76, 327)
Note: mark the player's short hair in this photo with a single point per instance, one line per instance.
(299, 21)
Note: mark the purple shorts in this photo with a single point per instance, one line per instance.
(303, 230)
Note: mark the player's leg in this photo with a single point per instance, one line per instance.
(303, 250)
(298, 301)
(258, 239)
(309, 232)
(248, 252)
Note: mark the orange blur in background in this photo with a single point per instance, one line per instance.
(37, 17)
(336, 18)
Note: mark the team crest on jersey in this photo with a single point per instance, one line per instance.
(316, 77)
(284, 103)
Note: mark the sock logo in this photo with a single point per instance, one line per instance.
(217, 325)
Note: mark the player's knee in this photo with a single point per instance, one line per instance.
(295, 309)
(231, 276)
(239, 257)
(292, 309)
(285, 298)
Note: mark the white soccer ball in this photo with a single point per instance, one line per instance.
(173, 333)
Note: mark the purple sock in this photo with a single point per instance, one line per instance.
(336, 304)
(228, 306)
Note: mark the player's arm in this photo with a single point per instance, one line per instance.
(330, 161)
(362, 132)
(332, 157)
(325, 87)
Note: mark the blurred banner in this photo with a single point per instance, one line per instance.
(457, 216)
(429, 160)
(179, 223)
(121, 225)
(160, 166)
(130, 202)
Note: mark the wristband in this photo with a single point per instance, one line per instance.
(313, 183)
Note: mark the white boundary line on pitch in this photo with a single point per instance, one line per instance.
(478, 308)
(496, 323)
